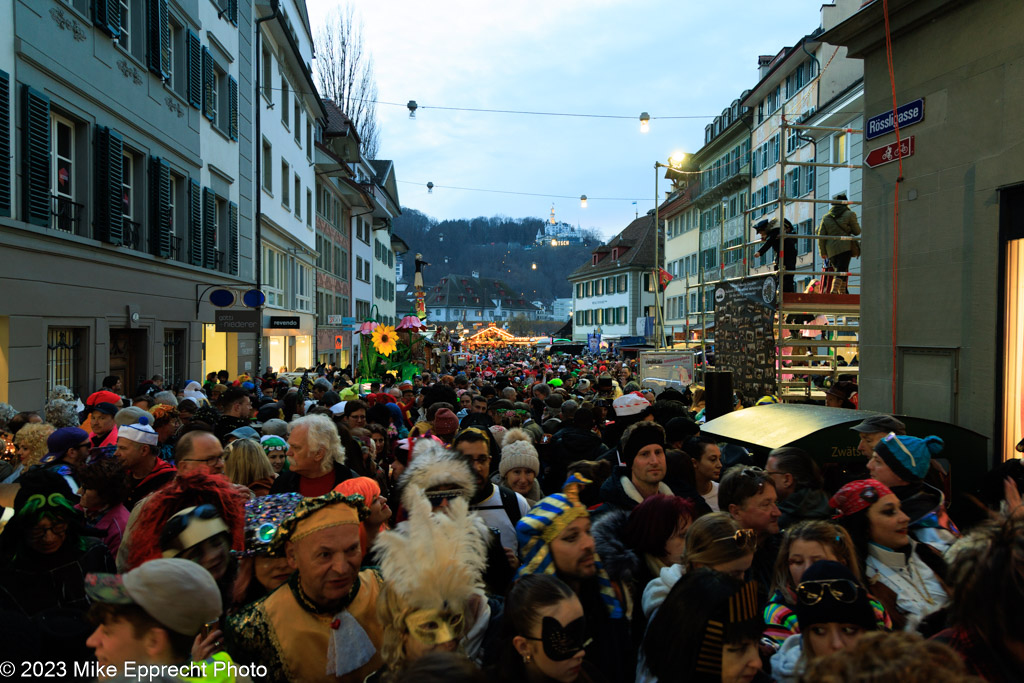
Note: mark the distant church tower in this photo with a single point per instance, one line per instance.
(552, 219)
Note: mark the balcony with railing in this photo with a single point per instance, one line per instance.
(132, 234)
(67, 214)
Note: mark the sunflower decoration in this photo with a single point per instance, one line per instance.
(385, 339)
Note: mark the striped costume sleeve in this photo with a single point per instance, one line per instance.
(780, 622)
(881, 616)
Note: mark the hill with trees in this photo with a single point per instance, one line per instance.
(499, 247)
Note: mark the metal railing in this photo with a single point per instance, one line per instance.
(131, 234)
(67, 214)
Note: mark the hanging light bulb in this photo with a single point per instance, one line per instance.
(430, 188)
(583, 201)
(645, 122)
(412, 108)
(532, 267)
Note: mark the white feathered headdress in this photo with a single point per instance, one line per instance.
(434, 561)
(434, 465)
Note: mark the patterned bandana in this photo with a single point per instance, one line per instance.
(857, 495)
(315, 514)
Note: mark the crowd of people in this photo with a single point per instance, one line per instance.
(521, 518)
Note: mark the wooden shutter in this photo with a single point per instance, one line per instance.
(233, 236)
(208, 84)
(108, 225)
(232, 108)
(195, 71)
(107, 15)
(233, 11)
(195, 225)
(35, 157)
(5, 144)
(161, 229)
(209, 229)
(158, 30)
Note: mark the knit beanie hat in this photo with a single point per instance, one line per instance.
(829, 593)
(445, 422)
(908, 456)
(643, 435)
(517, 451)
(139, 432)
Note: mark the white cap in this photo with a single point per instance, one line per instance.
(338, 408)
(140, 432)
(630, 404)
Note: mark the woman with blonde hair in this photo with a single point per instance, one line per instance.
(31, 444)
(714, 541)
(247, 464)
(802, 545)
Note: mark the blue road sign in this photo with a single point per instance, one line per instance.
(907, 114)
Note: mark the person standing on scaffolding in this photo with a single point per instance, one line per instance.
(768, 231)
(840, 221)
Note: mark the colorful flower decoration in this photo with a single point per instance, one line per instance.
(411, 322)
(368, 327)
(385, 340)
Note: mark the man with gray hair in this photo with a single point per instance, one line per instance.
(509, 394)
(320, 387)
(316, 459)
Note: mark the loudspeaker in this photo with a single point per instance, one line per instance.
(717, 394)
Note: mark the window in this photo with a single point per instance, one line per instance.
(309, 208)
(298, 121)
(303, 288)
(128, 191)
(268, 167)
(174, 357)
(125, 39)
(64, 347)
(648, 283)
(220, 95)
(285, 104)
(623, 283)
(298, 196)
(309, 139)
(598, 287)
(839, 148)
(62, 137)
(804, 245)
(268, 82)
(176, 57)
(274, 273)
(285, 175)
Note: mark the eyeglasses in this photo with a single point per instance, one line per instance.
(479, 460)
(58, 529)
(842, 590)
(438, 497)
(212, 460)
(743, 538)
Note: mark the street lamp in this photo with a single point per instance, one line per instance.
(533, 266)
(645, 122)
(675, 162)
(583, 201)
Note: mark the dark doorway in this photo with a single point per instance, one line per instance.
(1009, 427)
(128, 357)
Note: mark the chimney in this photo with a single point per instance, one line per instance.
(763, 62)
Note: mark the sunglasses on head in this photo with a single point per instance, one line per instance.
(743, 538)
(869, 494)
(841, 590)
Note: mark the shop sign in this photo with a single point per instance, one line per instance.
(339, 342)
(284, 322)
(236, 320)
(907, 114)
(334, 320)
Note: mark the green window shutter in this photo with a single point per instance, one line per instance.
(108, 225)
(233, 236)
(195, 225)
(107, 15)
(233, 11)
(208, 84)
(195, 71)
(233, 108)
(158, 56)
(160, 207)
(5, 144)
(209, 229)
(35, 157)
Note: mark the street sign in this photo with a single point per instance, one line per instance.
(236, 321)
(889, 153)
(907, 114)
(334, 320)
(284, 322)
(348, 321)
(339, 342)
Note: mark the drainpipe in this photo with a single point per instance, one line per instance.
(258, 228)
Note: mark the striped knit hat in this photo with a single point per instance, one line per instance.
(544, 522)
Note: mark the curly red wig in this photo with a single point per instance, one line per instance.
(186, 490)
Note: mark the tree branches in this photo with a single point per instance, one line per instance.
(344, 74)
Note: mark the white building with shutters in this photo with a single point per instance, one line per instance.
(288, 110)
(126, 188)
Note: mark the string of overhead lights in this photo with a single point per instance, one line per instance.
(583, 198)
